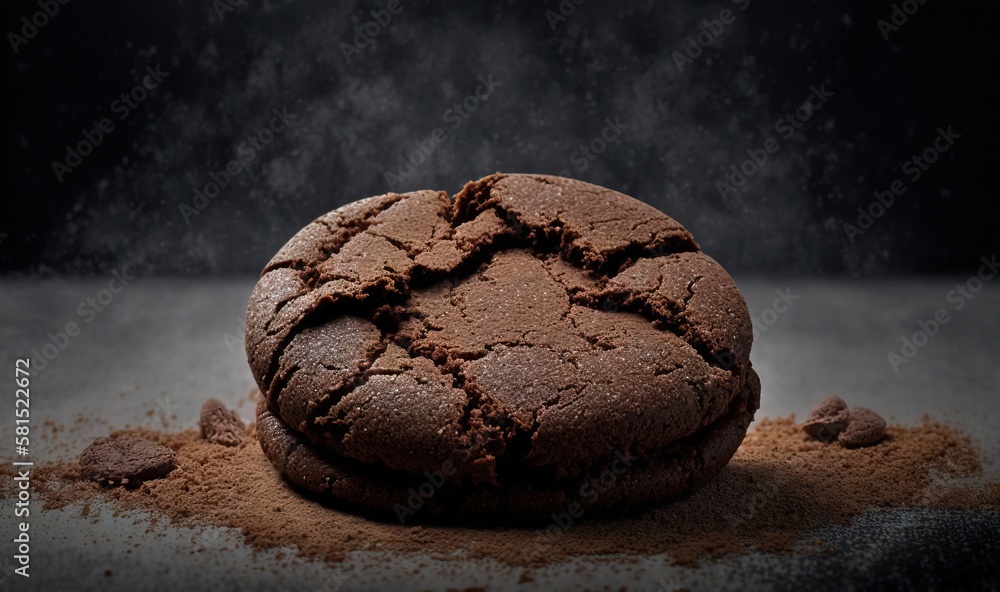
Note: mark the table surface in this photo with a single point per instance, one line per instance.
(174, 342)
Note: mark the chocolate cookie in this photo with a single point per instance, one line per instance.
(535, 342)
(866, 428)
(827, 419)
(126, 461)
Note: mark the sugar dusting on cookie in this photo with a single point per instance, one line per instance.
(501, 348)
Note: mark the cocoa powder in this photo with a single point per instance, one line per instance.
(781, 486)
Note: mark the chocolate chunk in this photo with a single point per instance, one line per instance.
(866, 428)
(513, 343)
(827, 419)
(220, 425)
(126, 461)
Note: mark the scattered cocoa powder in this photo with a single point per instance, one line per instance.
(779, 488)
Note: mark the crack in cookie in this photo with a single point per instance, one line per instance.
(542, 322)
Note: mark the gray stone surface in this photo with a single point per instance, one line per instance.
(164, 345)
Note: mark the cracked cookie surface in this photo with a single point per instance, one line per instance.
(524, 335)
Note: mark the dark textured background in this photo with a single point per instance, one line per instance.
(120, 206)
